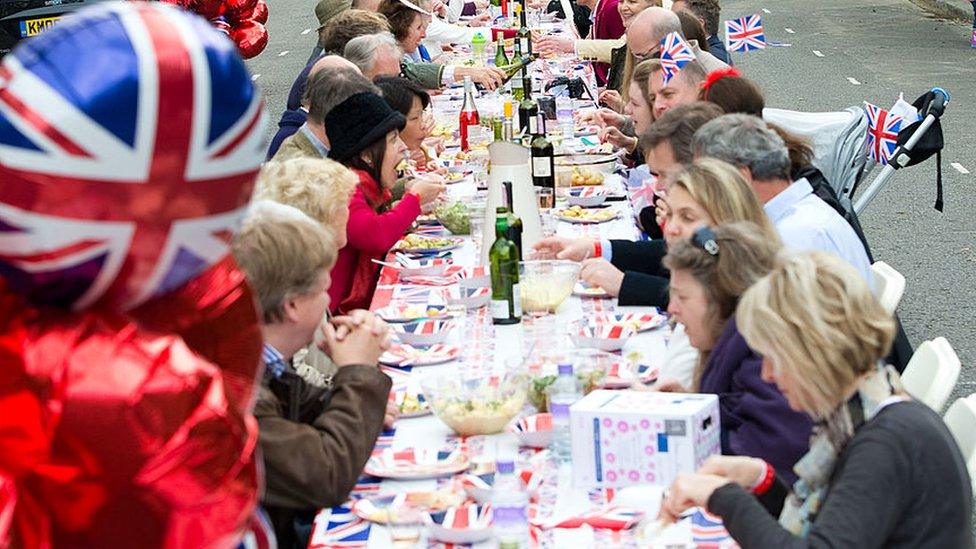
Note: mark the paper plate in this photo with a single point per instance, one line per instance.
(623, 374)
(582, 289)
(378, 508)
(410, 312)
(405, 355)
(416, 463)
(606, 337)
(639, 322)
(534, 431)
(478, 486)
(423, 332)
(468, 523)
(403, 246)
(588, 216)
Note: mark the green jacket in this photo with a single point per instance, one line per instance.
(427, 75)
(296, 145)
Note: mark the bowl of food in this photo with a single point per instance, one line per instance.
(575, 170)
(586, 197)
(476, 403)
(592, 368)
(545, 284)
(455, 217)
(422, 333)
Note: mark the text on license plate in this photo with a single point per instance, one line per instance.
(30, 27)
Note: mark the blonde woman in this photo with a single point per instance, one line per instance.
(709, 272)
(319, 187)
(882, 471)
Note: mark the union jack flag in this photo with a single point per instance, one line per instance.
(675, 54)
(707, 529)
(883, 128)
(123, 190)
(338, 528)
(745, 34)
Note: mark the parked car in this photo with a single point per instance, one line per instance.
(21, 19)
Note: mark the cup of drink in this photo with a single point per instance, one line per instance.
(545, 197)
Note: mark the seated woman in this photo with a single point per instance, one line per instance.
(882, 471)
(411, 100)
(709, 272)
(621, 131)
(707, 192)
(364, 133)
(409, 26)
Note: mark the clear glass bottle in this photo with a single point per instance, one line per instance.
(563, 393)
(509, 505)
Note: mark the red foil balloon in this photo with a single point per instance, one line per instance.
(238, 11)
(260, 13)
(251, 38)
(208, 9)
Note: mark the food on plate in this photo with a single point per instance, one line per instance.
(589, 379)
(455, 217)
(581, 214)
(586, 176)
(417, 242)
(454, 177)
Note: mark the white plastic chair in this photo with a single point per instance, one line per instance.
(932, 372)
(889, 285)
(961, 420)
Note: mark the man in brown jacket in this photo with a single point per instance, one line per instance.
(315, 442)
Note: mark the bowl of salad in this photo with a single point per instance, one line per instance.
(476, 403)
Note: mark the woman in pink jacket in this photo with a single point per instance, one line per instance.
(364, 133)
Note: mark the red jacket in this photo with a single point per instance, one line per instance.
(607, 25)
(370, 236)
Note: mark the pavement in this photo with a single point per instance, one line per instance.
(841, 53)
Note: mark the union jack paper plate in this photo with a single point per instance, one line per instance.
(611, 517)
(405, 355)
(582, 289)
(381, 508)
(416, 463)
(423, 332)
(470, 297)
(534, 431)
(623, 374)
(410, 312)
(639, 322)
(428, 245)
(468, 523)
(478, 486)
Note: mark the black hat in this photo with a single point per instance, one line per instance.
(358, 122)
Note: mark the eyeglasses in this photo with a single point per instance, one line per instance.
(653, 54)
(705, 239)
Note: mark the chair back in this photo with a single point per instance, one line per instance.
(889, 285)
(932, 372)
(961, 420)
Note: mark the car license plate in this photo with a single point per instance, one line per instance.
(31, 27)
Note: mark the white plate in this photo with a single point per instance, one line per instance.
(425, 463)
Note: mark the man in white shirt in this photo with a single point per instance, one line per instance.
(803, 220)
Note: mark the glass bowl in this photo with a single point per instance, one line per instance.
(476, 403)
(545, 284)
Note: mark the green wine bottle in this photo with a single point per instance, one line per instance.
(528, 109)
(543, 164)
(523, 38)
(501, 60)
(503, 258)
(514, 232)
(517, 92)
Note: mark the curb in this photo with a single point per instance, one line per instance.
(942, 8)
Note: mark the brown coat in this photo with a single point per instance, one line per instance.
(296, 145)
(315, 442)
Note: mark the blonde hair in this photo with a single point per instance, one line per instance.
(744, 256)
(283, 253)
(319, 187)
(815, 318)
(722, 192)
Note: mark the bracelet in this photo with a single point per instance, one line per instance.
(597, 248)
(765, 481)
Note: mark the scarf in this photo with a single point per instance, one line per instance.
(815, 470)
(364, 274)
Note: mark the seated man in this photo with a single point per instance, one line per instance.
(803, 220)
(376, 55)
(326, 89)
(315, 442)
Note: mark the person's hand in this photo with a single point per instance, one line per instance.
(489, 77)
(436, 144)
(689, 491)
(428, 187)
(742, 470)
(560, 247)
(600, 273)
(661, 210)
(357, 318)
(418, 157)
(551, 44)
(612, 99)
(617, 138)
(391, 415)
(608, 118)
(360, 345)
(670, 385)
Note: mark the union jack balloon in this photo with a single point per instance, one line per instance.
(129, 141)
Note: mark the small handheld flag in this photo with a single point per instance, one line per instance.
(745, 34)
(675, 54)
(883, 128)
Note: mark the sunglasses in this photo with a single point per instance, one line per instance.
(705, 239)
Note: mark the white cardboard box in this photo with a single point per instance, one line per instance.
(635, 437)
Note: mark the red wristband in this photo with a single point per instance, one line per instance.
(597, 248)
(767, 481)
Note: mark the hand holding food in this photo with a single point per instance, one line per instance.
(599, 272)
(612, 99)
(428, 187)
(616, 138)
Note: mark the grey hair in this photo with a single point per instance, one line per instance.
(362, 50)
(664, 23)
(744, 141)
(328, 88)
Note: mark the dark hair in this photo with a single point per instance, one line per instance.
(798, 147)
(734, 94)
(692, 28)
(349, 24)
(678, 127)
(375, 152)
(399, 92)
(400, 17)
(327, 88)
(708, 11)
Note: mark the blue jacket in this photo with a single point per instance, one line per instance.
(717, 48)
(290, 121)
(756, 420)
